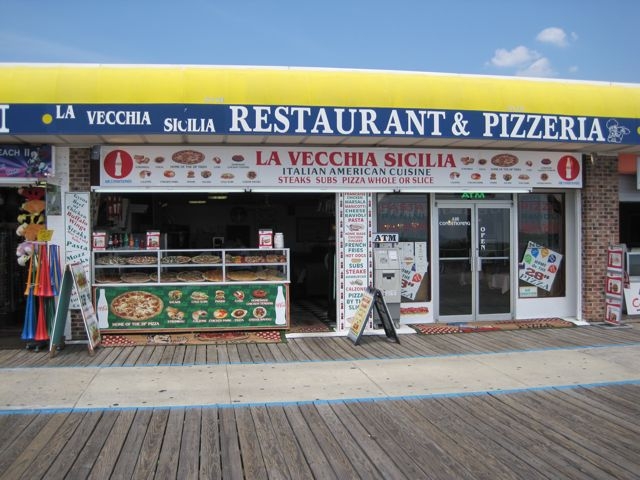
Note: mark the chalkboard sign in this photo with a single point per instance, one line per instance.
(383, 312)
(75, 276)
(370, 298)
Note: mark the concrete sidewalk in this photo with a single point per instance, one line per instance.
(79, 388)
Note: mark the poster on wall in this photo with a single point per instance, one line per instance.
(414, 287)
(541, 264)
(26, 162)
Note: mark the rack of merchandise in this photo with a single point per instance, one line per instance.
(191, 290)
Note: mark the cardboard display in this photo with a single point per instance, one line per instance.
(75, 277)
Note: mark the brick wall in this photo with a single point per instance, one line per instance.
(600, 228)
(78, 182)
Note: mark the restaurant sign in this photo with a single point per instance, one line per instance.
(335, 168)
(192, 307)
(194, 119)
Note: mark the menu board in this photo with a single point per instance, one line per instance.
(202, 307)
(322, 167)
(354, 225)
(371, 297)
(541, 265)
(77, 239)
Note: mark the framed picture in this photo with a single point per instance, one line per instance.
(615, 259)
(613, 314)
(614, 286)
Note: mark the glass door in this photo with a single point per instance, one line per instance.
(474, 261)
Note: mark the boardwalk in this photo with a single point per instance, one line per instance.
(587, 431)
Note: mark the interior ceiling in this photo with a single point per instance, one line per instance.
(389, 142)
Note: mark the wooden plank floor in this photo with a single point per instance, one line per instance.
(583, 432)
(577, 433)
(325, 348)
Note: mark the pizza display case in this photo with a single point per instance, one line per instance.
(191, 290)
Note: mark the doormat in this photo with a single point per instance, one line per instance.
(200, 338)
(502, 325)
(312, 326)
(309, 317)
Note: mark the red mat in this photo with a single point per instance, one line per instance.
(443, 328)
(202, 338)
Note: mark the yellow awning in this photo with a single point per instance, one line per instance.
(167, 84)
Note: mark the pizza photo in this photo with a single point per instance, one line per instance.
(137, 306)
(238, 313)
(199, 296)
(259, 293)
(220, 313)
(188, 157)
(504, 160)
(259, 312)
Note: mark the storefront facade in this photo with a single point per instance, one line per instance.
(502, 192)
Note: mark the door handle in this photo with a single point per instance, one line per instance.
(478, 263)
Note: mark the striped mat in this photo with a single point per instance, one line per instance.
(502, 325)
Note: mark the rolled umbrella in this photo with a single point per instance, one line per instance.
(56, 275)
(45, 280)
(41, 328)
(29, 328)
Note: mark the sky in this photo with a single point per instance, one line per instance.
(562, 39)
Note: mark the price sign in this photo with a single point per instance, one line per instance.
(541, 265)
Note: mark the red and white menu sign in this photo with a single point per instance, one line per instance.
(335, 168)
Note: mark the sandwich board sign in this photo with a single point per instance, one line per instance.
(75, 278)
(371, 297)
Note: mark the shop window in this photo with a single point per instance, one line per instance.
(541, 235)
(408, 216)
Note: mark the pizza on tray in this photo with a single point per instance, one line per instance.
(175, 259)
(242, 276)
(213, 275)
(142, 260)
(135, 277)
(206, 259)
(191, 276)
(137, 306)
